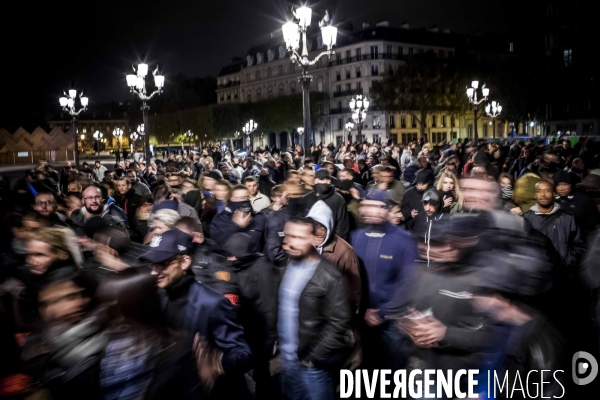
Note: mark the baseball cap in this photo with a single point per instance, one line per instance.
(322, 174)
(431, 196)
(171, 243)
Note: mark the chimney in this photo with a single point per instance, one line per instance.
(405, 25)
(383, 23)
(434, 29)
(366, 25)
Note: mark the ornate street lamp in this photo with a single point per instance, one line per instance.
(358, 107)
(141, 131)
(97, 136)
(67, 102)
(300, 131)
(476, 101)
(349, 127)
(291, 35)
(133, 137)
(137, 86)
(248, 129)
(493, 110)
(189, 135)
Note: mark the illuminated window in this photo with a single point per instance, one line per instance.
(568, 57)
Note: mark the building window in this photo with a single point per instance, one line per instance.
(358, 72)
(389, 51)
(347, 87)
(280, 89)
(84, 130)
(338, 59)
(258, 92)
(392, 121)
(374, 69)
(247, 77)
(235, 94)
(403, 121)
(413, 122)
(338, 88)
(348, 55)
(347, 74)
(453, 135)
(293, 87)
(441, 53)
(400, 51)
(437, 137)
(511, 47)
(270, 91)
(411, 51)
(320, 86)
(359, 85)
(280, 70)
(470, 131)
(568, 57)
(409, 137)
(374, 52)
(338, 76)
(339, 105)
(321, 109)
(434, 121)
(249, 97)
(340, 124)
(376, 122)
(358, 54)
(452, 122)
(257, 75)
(269, 71)
(222, 96)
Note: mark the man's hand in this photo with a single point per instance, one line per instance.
(208, 362)
(372, 317)
(448, 201)
(414, 213)
(241, 218)
(427, 332)
(354, 193)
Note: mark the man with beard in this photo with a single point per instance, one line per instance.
(93, 206)
(45, 205)
(386, 182)
(325, 191)
(578, 204)
(387, 254)
(238, 216)
(139, 187)
(314, 317)
(411, 202)
(431, 212)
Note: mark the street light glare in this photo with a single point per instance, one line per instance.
(291, 35)
(304, 15)
(63, 101)
(142, 70)
(72, 93)
(329, 34)
(475, 84)
(84, 101)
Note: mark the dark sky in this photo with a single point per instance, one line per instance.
(93, 43)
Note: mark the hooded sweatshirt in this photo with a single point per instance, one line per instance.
(337, 251)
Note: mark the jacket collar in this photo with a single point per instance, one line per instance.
(536, 209)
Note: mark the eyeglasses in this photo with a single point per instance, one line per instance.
(166, 264)
(92, 198)
(44, 203)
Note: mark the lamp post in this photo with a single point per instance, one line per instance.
(493, 110)
(67, 102)
(134, 136)
(349, 127)
(118, 133)
(291, 35)
(141, 131)
(248, 129)
(358, 107)
(189, 135)
(97, 136)
(473, 99)
(137, 86)
(300, 131)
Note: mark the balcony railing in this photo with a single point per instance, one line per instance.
(347, 92)
(333, 111)
(366, 57)
(228, 84)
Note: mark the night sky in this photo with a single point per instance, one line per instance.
(45, 47)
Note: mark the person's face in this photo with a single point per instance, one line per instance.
(349, 164)
(186, 187)
(209, 183)
(544, 193)
(97, 164)
(426, 151)
(423, 162)
(92, 199)
(386, 177)
(160, 177)
(225, 171)
(108, 176)
(325, 181)
(505, 182)
(578, 164)
(298, 240)
(220, 192)
(252, 188)
(174, 181)
(563, 189)
(62, 303)
(45, 205)
(172, 156)
(422, 186)
(330, 168)
(395, 216)
(448, 185)
(131, 177)
(308, 177)
(239, 195)
(170, 271)
(429, 208)
(159, 227)
(344, 176)
(123, 186)
(479, 194)
(40, 256)
(373, 212)
(75, 203)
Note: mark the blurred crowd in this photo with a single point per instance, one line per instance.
(211, 275)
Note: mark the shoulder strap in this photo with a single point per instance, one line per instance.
(550, 219)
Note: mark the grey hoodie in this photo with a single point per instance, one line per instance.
(321, 213)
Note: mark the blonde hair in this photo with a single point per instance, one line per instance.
(55, 237)
(440, 182)
(167, 217)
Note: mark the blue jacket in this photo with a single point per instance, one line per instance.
(388, 258)
(222, 228)
(211, 314)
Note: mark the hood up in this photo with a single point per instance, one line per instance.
(321, 213)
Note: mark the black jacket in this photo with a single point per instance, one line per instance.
(129, 202)
(274, 236)
(222, 227)
(335, 201)
(324, 318)
(412, 200)
(582, 208)
(562, 231)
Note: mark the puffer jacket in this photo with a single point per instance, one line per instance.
(113, 214)
(562, 232)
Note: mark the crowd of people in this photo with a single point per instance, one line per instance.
(215, 276)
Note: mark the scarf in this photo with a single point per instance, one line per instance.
(507, 192)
